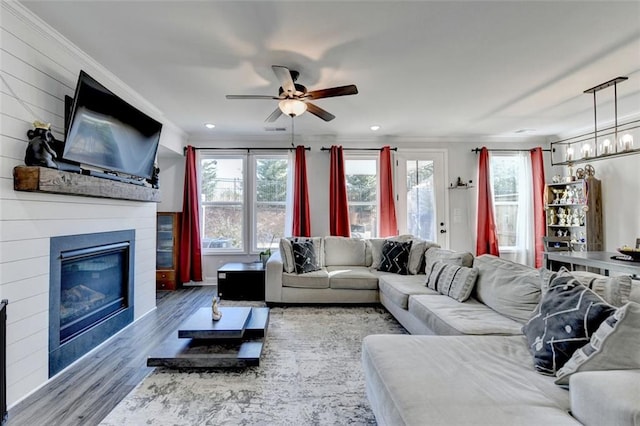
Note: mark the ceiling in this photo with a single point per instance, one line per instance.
(425, 70)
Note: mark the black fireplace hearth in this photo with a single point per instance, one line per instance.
(91, 292)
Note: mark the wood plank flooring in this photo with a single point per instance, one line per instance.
(86, 392)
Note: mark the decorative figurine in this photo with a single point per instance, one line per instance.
(552, 217)
(215, 312)
(40, 151)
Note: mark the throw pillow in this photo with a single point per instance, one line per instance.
(286, 252)
(304, 256)
(614, 290)
(375, 245)
(614, 346)
(451, 280)
(566, 318)
(395, 257)
(434, 254)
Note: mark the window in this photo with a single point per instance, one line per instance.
(270, 201)
(511, 181)
(232, 221)
(362, 184)
(504, 181)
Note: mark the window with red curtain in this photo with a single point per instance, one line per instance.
(539, 216)
(190, 246)
(487, 237)
(338, 204)
(301, 217)
(388, 223)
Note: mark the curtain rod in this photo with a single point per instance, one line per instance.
(307, 148)
(360, 149)
(477, 150)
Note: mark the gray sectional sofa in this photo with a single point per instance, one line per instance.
(467, 360)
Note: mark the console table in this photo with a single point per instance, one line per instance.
(596, 259)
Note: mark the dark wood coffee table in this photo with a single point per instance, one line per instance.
(236, 340)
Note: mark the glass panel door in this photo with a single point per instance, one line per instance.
(421, 196)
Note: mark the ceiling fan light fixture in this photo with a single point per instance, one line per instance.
(292, 107)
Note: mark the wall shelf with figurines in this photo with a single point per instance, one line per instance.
(574, 209)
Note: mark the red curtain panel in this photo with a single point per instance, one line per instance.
(338, 203)
(487, 237)
(539, 216)
(301, 219)
(190, 246)
(388, 222)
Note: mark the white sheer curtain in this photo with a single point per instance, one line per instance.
(525, 244)
(288, 218)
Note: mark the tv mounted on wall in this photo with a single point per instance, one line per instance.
(106, 132)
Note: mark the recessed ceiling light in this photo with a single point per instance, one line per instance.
(209, 125)
(375, 127)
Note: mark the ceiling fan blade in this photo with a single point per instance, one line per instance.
(351, 89)
(319, 112)
(285, 79)
(274, 115)
(251, 97)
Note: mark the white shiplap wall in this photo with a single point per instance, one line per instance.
(40, 67)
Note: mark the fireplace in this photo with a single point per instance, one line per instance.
(91, 292)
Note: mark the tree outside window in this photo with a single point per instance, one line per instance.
(233, 221)
(362, 194)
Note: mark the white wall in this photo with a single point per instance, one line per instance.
(41, 67)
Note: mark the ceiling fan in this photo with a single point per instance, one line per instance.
(294, 98)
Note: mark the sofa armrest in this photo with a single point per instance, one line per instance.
(273, 284)
(606, 397)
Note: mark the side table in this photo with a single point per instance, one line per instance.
(241, 281)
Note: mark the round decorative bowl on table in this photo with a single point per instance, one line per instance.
(634, 254)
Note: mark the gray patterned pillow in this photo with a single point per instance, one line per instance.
(452, 280)
(614, 346)
(566, 318)
(304, 257)
(395, 257)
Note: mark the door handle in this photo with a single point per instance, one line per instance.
(443, 231)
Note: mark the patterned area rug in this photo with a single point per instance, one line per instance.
(310, 374)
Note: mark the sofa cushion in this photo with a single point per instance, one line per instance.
(304, 257)
(315, 279)
(451, 280)
(466, 380)
(446, 316)
(398, 288)
(568, 314)
(614, 346)
(606, 397)
(509, 288)
(395, 257)
(342, 251)
(352, 277)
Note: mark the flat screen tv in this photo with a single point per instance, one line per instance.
(106, 132)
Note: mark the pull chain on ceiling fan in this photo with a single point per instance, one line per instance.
(294, 98)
